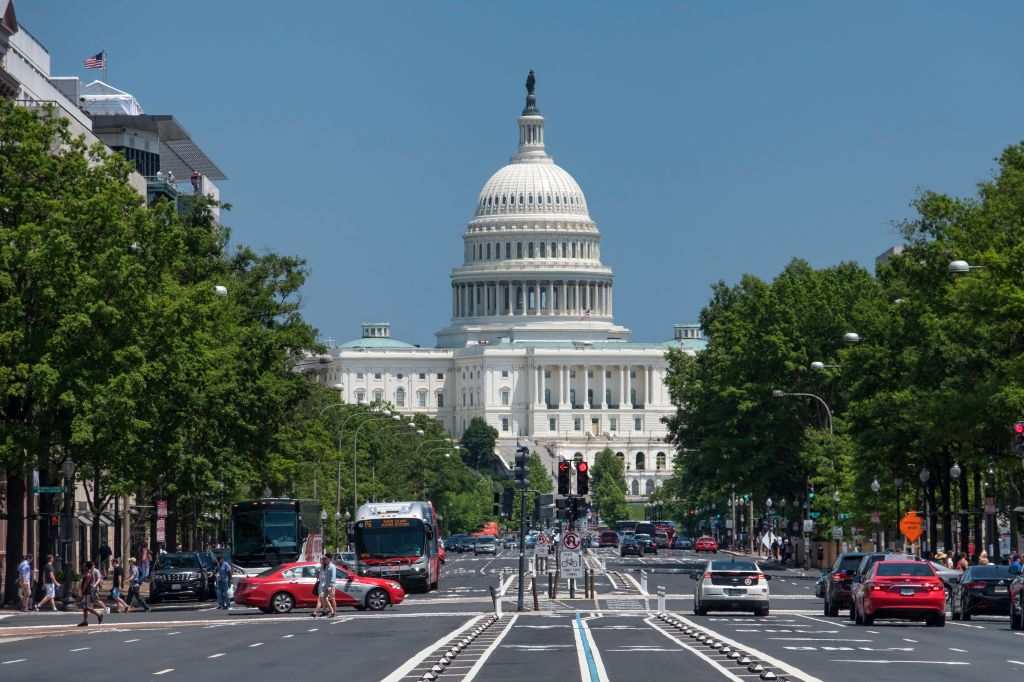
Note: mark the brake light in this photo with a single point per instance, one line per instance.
(878, 588)
(838, 576)
(758, 576)
(936, 588)
(708, 576)
(976, 586)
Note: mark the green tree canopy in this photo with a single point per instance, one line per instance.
(478, 440)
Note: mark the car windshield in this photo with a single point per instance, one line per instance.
(894, 568)
(177, 561)
(849, 563)
(990, 571)
(733, 566)
(643, 536)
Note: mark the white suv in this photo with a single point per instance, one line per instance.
(485, 544)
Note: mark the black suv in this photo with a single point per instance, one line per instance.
(838, 581)
(183, 574)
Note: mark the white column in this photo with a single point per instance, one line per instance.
(551, 298)
(561, 386)
(508, 297)
(565, 297)
(604, 388)
(586, 388)
(647, 388)
(610, 301)
(540, 384)
(622, 386)
(629, 384)
(536, 298)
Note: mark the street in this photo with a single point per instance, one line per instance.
(620, 637)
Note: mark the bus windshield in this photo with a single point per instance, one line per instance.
(261, 533)
(390, 538)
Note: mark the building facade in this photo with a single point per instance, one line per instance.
(531, 346)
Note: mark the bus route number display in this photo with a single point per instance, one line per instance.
(389, 523)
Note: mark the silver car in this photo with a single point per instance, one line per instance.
(485, 544)
(729, 585)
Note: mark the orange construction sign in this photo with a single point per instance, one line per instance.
(910, 526)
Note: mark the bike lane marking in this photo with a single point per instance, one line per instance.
(418, 657)
(700, 654)
(489, 650)
(591, 666)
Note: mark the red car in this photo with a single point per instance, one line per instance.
(706, 543)
(290, 586)
(901, 589)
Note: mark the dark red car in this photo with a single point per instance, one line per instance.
(706, 543)
(290, 586)
(909, 590)
(609, 538)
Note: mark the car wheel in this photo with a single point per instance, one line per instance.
(377, 600)
(869, 620)
(954, 612)
(940, 620)
(282, 602)
(699, 611)
(965, 612)
(433, 585)
(761, 613)
(622, 555)
(853, 616)
(831, 608)
(857, 619)
(155, 599)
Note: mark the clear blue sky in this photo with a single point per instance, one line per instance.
(711, 138)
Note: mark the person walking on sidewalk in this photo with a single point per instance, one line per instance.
(325, 579)
(25, 584)
(134, 583)
(50, 584)
(117, 579)
(90, 588)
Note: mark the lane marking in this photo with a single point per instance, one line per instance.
(84, 648)
(415, 660)
(822, 620)
(490, 650)
(255, 645)
(875, 660)
(215, 656)
(22, 660)
(785, 667)
(588, 654)
(129, 641)
(164, 671)
(1007, 660)
(700, 654)
(286, 636)
(963, 651)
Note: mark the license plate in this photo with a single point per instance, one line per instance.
(1003, 588)
(734, 592)
(907, 591)
(175, 587)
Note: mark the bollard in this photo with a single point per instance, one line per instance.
(661, 599)
(536, 602)
(496, 598)
(643, 581)
(551, 587)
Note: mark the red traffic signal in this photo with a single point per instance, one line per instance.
(1019, 427)
(582, 478)
(563, 466)
(54, 520)
(582, 466)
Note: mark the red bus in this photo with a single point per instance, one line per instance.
(398, 541)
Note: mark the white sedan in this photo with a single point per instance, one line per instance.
(730, 585)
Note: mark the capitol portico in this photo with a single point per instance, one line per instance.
(532, 346)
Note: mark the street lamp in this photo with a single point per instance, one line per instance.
(337, 534)
(960, 267)
(875, 487)
(821, 366)
(348, 528)
(777, 393)
(898, 482)
(68, 467)
(954, 473)
(924, 476)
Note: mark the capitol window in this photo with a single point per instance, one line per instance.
(488, 252)
(440, 399)
(543, 254)
(520, 199)
(376, 375)
(421, 398)
(577, 424)
(549, 198)
(638, 423)
(378, 396)
(529, 250)
(422, 376)
(529, 199)
(508, 250)
(552, 424)
(440, 375)
(607, 374)
(547, 374)
(399, 376)
(659, 461)
(556, 199)
(504, 397)
(400, 397)
(360, 397)
(613, 423)
(519, 249)
(504, 424)
(504, 374)
(359, 375)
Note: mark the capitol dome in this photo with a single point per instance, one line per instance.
(530, 188)
(531, 266)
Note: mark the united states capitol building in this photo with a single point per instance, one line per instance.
(532, 345)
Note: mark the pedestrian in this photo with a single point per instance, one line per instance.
(134, 583)
(25, 583)
(105, 553)
(117, 580)
(223, 584)
(90, 587)
(962, 564)
(144, 559)
(50, 584)
(325, 579)
(983, 559)
(775, 549)
(196, 179)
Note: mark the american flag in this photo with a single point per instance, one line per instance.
(97, 61)
(585, 315)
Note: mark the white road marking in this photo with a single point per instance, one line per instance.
(962, 651)
(875, 660)
(84, 648)
(1007, 660)
(255, 645)
(700, 654)
(595, 653)
(965, 625)
(164, 671)
(174, 633)
(129, 641)
(822, 620)
(286, 636)
(912, 641)
(22, 660)
(215, 656)
(415, 660)
(489, 650)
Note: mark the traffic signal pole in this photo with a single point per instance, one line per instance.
(522, 552)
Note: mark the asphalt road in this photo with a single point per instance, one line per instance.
(618, 636)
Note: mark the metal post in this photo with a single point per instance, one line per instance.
(536, 601)
(522, 551)
(661, 599)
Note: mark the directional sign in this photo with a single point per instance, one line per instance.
(45, 489)
(910, 526)
(570, 565)
(571, 542)
(808, 526)
(542, 550)
(837, 532)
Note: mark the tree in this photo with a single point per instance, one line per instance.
(479, 440)
(608, 487)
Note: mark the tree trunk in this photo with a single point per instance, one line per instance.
(947, 508)
(963, 521)
(97, 509)
(15, 545)
(979, 543)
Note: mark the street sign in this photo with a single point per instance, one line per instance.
(543, 546)
(808, 526)
(161, 520)
(990, 505)
(728, 523)
(47, 489)
(570, 565)
(844, 517)
(874, 518)
(910, 526)
(571, 542)
(837, 532)
(815, 514)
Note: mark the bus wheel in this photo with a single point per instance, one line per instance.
(282, 602)
(377, 600)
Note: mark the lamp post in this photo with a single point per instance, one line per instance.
(323, 529)
(898, 482)
(990, 516)
(355, 458)
(835, 511)
(875, 487)
(337, 533)
(768, 513)
(776, 393)
(924, 476)
(348, 529)
(68, 468)
(954, 473)
(373, 460)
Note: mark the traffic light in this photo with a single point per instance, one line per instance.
(54, 521)
(564, 472)
(496, 508)
(1018, 438)
(522, 462)
(542, 506)
(693, 512)
(810, 491)
(582, 478)
(508, 499)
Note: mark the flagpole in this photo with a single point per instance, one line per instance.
(105, 59)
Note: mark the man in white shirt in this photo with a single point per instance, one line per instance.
(25, 583)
